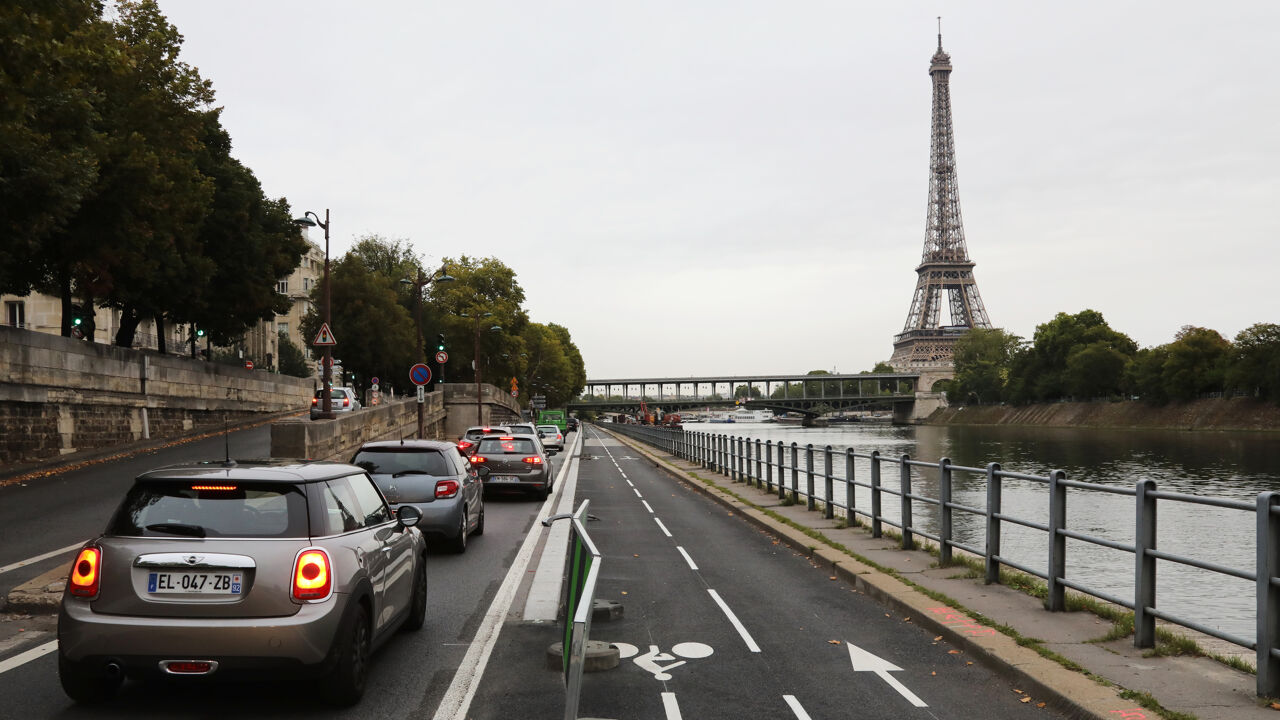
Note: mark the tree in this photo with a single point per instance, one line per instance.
(1041, 372)
(1254, 364)
(481, 285)
(1196, 363)
(1093, 371)
(292, 360)
(982, 359)
(578, 368)
(1144, 375)
(747, 391)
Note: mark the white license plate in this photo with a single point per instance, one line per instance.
(201, 583)
(503, 479)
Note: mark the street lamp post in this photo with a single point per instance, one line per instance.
(310, 219)
(418, 284)
(476, 361)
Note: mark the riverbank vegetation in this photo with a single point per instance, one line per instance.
(1080, 357)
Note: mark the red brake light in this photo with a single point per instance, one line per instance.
(477, 459)
(446, 488)
(312, 579)
(86, 573)
(346, 402)
(214, 487)
(464, 444)
(315, 400)
(533, 460)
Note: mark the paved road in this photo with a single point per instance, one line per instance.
(724, 621)
(408, 676)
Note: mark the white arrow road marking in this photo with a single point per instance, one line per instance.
(864, 661)
(26, 657)
(794, 704)
(670, 706)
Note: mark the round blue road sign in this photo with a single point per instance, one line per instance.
(420, 374)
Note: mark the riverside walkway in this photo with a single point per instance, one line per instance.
(1061, 656)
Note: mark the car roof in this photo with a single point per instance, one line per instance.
(406, 445)
(273, 470)
(554, 427)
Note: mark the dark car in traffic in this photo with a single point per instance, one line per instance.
(259, 570)
(515, 461)
(432, 476)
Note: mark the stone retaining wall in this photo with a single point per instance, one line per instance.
(336, 439)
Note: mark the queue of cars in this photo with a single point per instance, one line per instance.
(218, 570)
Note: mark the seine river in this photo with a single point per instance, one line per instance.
(1214, 464)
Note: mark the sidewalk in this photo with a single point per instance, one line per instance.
(1111, 675)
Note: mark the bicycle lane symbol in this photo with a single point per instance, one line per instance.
(649, 662)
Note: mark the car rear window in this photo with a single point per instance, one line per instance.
(211, 509)
(506, 446)
(549, 429)
(389, 461)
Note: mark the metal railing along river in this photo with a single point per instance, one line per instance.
(779, 467)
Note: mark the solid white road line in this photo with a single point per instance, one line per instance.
(38, 558)
(687, 559)
(902, 689)
(662, 527)
(794, 704)
(25, 657)
(457, 699)
(733, 619)
(670, 706)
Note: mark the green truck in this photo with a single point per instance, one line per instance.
(553, 417)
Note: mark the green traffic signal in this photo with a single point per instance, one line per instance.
(77, 321)
(199, 333)
(440, 344)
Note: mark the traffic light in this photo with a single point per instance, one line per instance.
(440, 343)
(199, 332)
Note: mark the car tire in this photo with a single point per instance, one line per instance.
(345, 685)
(459, 543)
(418, 601)
(542, 492)
(86, 685)
(480, 522)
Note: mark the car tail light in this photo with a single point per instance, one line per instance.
(477, 459)
(533, 460)
(464, 444)
(315, 400)
(346, 402)
(86, 573)
(312, 576)
(446, 488)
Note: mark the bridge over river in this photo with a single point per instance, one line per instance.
(811, 395)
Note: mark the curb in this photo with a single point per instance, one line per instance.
(41, 595)
(1039, 676)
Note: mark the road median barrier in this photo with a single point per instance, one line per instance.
(40, 595)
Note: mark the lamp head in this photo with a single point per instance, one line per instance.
(304, 221)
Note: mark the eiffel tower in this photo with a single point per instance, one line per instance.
(925, 344)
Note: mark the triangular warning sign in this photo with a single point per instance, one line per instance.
(325, 336)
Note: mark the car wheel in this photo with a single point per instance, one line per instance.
(345, 685)
(542, 492)
(480, 522)
(84, 684)
(418, 602)
(459, 543)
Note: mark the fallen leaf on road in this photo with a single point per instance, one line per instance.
(624, 592)
(833, 577)
(635, 556)
(953, 652)
(1041, 704)
(1017, 691)
(935, 672)
(906, 619)
(833, 642)
(1026, 699)
(937, 638)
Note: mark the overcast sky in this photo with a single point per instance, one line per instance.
(740, 186)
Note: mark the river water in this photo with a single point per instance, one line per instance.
(1214, 464)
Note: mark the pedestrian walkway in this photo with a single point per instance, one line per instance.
(1113, 679)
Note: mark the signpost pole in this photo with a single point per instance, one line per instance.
(420, 375)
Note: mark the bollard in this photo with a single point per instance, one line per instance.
(876, 526)
(1268, 594)
(829, 480)
(850, 496)
(795, 473)
(993, 523)
(810, 504)
(904, 483)
(1057, 599)
(944, 506)
(1144, 584)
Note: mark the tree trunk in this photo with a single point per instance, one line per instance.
(89, 323)
(128, 326)
(64, 293)
(161, 340)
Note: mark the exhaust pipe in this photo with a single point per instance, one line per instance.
(114, 670)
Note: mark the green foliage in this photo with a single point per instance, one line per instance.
(743, 391)
(292, 360)
(1196, 363)
(1144, 376)
(982, 359)
(1255, 361)
(1043, 371)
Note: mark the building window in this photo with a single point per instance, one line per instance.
(282, 327)
(282, 286)
(16, 314)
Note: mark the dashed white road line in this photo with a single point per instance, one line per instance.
(692, 565)
(663, 528)
(637, 492)
(796, 708)
(647, 506)
(23, 658)
(733, 620)
(670, 706)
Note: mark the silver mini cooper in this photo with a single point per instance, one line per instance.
(259, 569)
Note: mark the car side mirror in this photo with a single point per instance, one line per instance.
(408, 516)
(551, 451)
(541, 434)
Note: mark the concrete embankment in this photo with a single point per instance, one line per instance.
(1210, 414)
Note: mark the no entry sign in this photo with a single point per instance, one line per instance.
(420, 374)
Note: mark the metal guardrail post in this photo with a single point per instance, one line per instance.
(850, 496)
(993, 523)
(829, 484)
(1057, 599)
(1268, 594)
(768, 465)
(759, 468)
(743, 447)
(944, 506)
(795, 472)
(904, 483)
(782, 472)
(810, 504)
(1144, 582)
(746, 445)
(877, 528)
